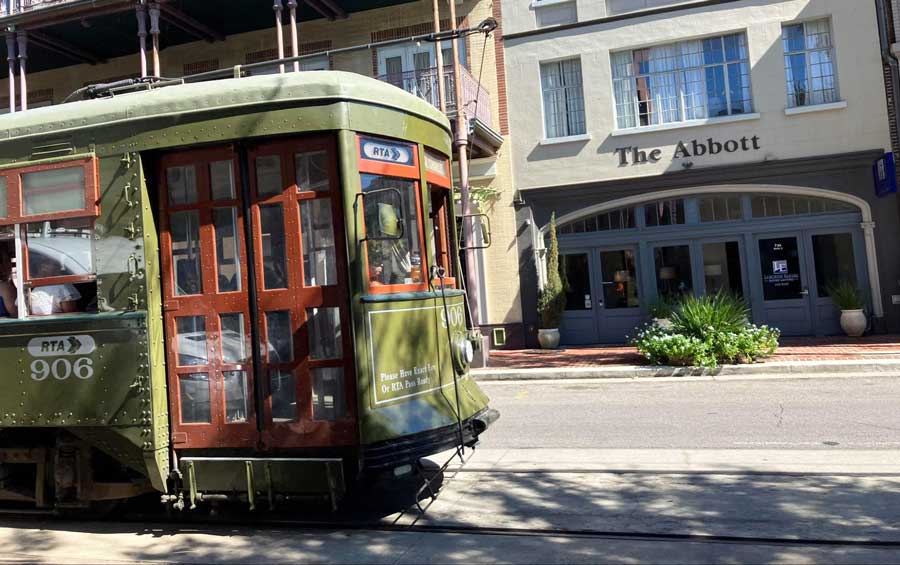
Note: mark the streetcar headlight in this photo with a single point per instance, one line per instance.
(464, 354)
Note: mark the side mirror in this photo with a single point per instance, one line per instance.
(480, 225)
(382, 214)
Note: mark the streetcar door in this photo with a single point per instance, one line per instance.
(302, 296)
(304, 397)
(205, 293)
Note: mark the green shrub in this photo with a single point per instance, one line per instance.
(706, 332)
(846, 296)
(715, 314)
(662, 308)
(552, 301)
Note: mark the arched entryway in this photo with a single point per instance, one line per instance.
(780, 247)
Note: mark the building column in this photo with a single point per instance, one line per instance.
(141, 12)
(22, 40)
(279, 31)
(154, 32)
(872, 266)
(11, 58)
(295, 43)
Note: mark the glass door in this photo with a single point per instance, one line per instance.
(722, 267)
(618, 302)
(579, 324)
(834, 261)
(206, 308)
(306, 357)
(304, 361)
(784, 284)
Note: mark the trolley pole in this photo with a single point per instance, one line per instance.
(462, 147)
(439, 59)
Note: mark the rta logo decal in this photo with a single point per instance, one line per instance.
(59, 347)
(684, 149)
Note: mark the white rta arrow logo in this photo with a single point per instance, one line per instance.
(386, 152)
(60, 345)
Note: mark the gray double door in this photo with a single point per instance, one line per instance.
(603, 302)
(784, 276)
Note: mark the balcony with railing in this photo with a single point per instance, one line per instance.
(423, 83)
(9, 7)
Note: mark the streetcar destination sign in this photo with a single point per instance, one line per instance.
(387, 152)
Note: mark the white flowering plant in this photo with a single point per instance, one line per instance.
(699, 336)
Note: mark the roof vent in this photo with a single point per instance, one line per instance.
(53, 148)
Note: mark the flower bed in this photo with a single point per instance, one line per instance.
(706, 332)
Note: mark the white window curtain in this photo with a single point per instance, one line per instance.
(563, 98)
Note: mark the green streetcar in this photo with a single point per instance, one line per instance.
(245, 289)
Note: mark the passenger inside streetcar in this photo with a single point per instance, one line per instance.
(54, 298)
(8, 300)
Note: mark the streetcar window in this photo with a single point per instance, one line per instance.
(182, 184)
(221, 180)
(280, 346)
(191, 341)
(328, 393)
(441, 218)
(53, 190)
(228, 255)
(324, 326)
(234, 341)
(194, 391)
(271, 222)
(312, 171)
(394, 261)
(236, 405)
(319, 260)
(8, 292)
(284, 395)
(185, 230)
(268, 176)
(59, 248)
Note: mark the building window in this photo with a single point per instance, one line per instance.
(771, 205)
(621, 219)
(553, 12)
(563, 98)
(614, 7)
(690, 80)
(664, 213)
(809, 63)
(720, 208)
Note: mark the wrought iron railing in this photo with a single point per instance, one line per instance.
(8, 7)
(423, 83)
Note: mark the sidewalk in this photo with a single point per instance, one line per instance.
(797, 356)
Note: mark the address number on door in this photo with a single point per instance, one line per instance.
(62, 369)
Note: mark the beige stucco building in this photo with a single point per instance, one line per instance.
(690, 147)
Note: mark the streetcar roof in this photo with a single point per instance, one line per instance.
(299, 88)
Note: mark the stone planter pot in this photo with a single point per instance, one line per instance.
(853, 322)
(549, 339)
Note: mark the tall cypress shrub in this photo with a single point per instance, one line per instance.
(552, 301)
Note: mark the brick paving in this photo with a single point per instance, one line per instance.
(792, 349)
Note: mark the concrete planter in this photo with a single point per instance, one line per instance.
(853, 322)
(549, 339)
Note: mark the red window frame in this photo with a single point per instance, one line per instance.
(403, 172)
(15, 202)
(441, 184)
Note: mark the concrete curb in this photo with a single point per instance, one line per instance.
(855, 367)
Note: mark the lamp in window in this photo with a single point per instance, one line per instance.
(667, 275)
(714, 270)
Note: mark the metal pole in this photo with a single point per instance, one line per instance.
(11, 58)
(22, 40)
(279, 32)
(462, 144)
(439, 58)
(295, 44)
(141, 12)
(154, 31)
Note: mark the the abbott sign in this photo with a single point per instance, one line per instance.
(685, 149)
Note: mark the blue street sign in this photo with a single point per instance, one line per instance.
(885, 174)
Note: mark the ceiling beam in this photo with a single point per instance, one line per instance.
(65, 48)
(187, 23)
(323, 11)
(333, 6)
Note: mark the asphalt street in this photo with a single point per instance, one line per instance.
(832, 413)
